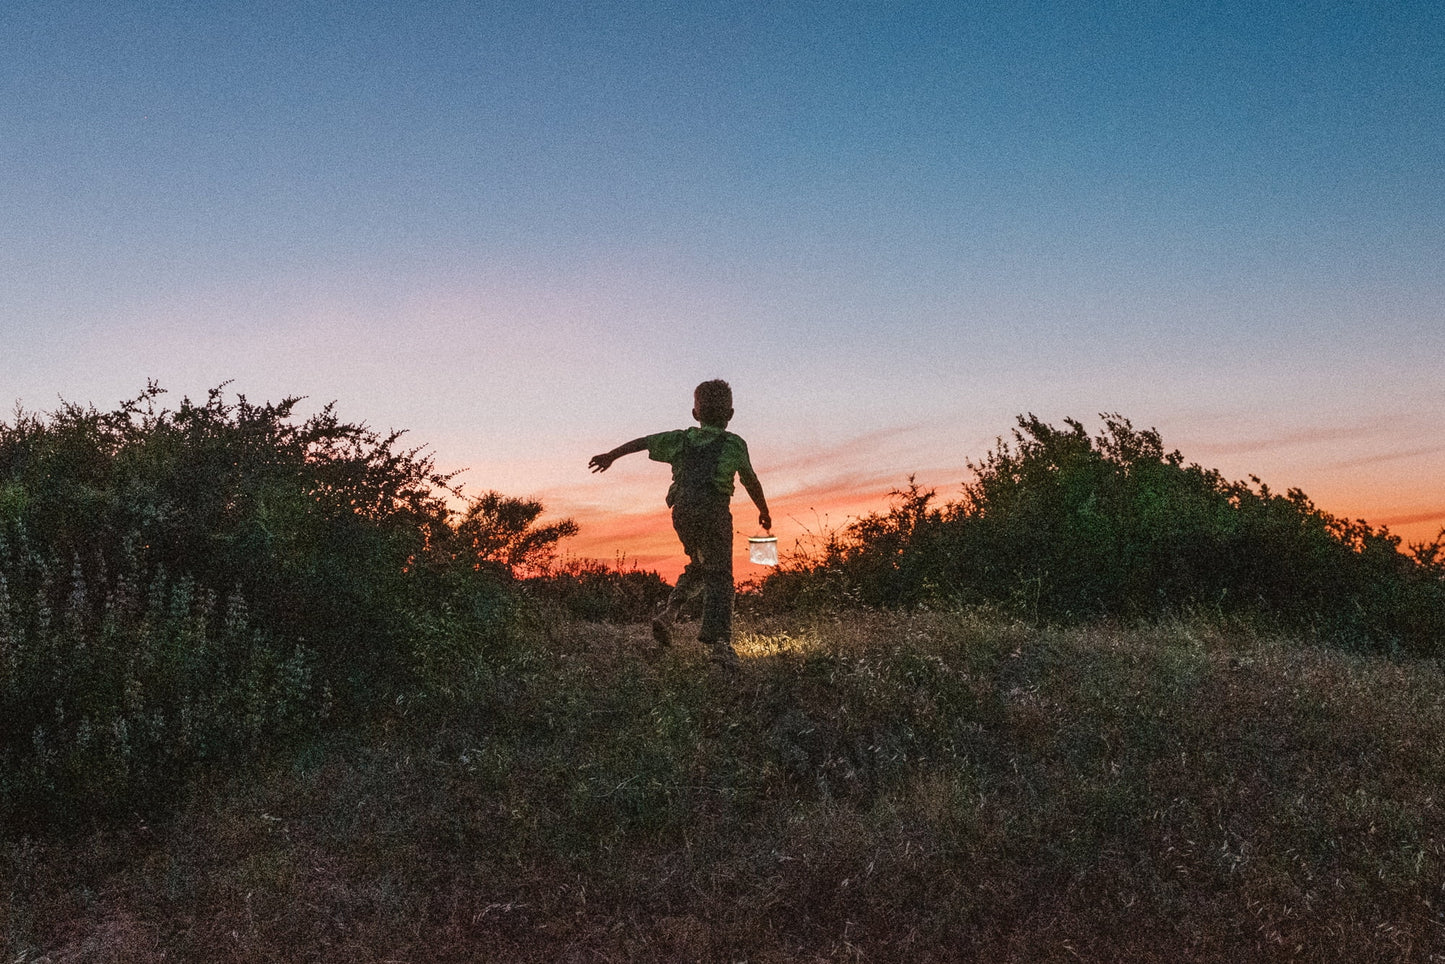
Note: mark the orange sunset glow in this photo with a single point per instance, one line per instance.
(623, 519)
(645, 540)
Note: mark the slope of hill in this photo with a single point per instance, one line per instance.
(876, 787)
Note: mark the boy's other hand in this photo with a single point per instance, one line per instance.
(766, 521)
(601, 463)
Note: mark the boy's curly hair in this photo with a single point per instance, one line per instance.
(713, 401)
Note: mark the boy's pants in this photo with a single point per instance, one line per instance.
(707, 538)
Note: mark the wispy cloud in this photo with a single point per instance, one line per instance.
(1372, 429)
(1432, 515)
(860, 494)
(1388, 457)
(859, 448)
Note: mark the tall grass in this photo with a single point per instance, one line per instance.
(106, 700)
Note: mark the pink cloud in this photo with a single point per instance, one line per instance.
(1434, 516)
(1388, 457)
(1292, 439)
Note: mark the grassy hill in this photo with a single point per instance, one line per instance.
(936, 786)
(268, 693)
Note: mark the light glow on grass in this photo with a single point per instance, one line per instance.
(759, 645)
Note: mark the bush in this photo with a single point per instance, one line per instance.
(312, 523)
(594, 591)
(185, 584)
(1057, 525)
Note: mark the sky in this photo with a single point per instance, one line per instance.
(523, 232)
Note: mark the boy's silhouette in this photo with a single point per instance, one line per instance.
(704, 461)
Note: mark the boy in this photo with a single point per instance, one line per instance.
(704, 461)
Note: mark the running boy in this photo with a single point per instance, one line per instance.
(704, 461)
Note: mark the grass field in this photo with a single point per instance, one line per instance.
(931, 787)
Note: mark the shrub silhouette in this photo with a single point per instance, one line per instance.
(594, 591)
(502, 533)
(311, 523)
(1058, 525)
(190, 581)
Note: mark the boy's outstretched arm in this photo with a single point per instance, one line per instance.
(755, 491)
(601, 463)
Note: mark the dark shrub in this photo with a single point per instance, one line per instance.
(311, 522)
(1059, 525)
(594, 591)
(178, 585)
(108, 693)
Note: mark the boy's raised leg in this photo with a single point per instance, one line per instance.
(689, 584)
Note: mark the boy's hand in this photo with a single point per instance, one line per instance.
(765, 520)
(601, 463)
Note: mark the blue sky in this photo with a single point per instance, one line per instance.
(524, 231)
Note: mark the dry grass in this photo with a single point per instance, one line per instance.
(872, 788)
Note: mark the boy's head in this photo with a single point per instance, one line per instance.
(712, 403)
